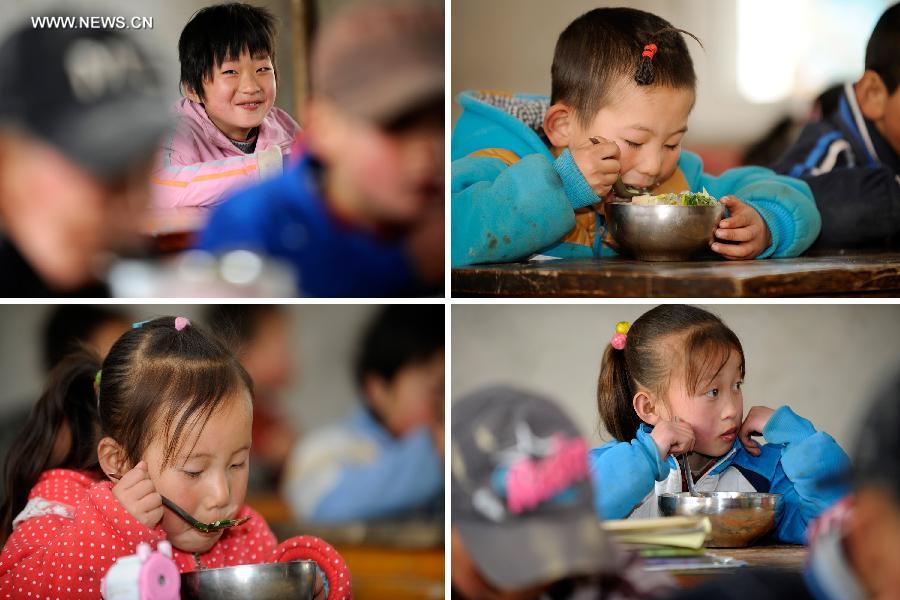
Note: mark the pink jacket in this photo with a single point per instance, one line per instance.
(198, 165)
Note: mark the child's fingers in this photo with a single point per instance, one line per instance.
(136, 474)
(150, 503)
(604, 148)
(741, 234)
(733, 251)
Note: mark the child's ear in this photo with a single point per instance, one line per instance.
(191, 95)
(112, 457)
(646, 408)
(558, 124)
(871, 95)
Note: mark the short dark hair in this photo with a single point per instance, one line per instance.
(401, 335)
(219, 33)
(605, 44)
(69, 325)
(883, 49)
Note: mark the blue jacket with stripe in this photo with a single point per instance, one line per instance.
(854, 175)
(798, 462)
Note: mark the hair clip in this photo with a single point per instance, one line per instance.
(181, 323)
(140, 324)
(618, 339)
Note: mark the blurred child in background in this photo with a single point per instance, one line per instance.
(229, 133)
(851, 158)
(80, 118)
(259, 335)
(384, 461)
(71, 327)
(530, 173)
(361, 213)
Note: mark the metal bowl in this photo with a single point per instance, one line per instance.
(738, 518)
(294, 579)
(662, 232)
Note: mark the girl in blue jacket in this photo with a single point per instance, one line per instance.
(530, 173)
(671, 384)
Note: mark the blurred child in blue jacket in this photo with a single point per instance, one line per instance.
(386, 459)
(670, 384)
(530, 173)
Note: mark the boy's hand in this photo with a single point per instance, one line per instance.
(673, 438)
(745, 226)
(598, 161)
(754, 424)
(138, 495)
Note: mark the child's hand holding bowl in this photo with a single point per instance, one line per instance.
(745, 227)
(136, 492)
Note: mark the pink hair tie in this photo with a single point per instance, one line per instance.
(181, 323)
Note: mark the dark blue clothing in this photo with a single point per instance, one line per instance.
(854, 175)
(287, 218)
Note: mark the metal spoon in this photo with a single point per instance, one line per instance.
(688, 476)
(204, 527)
(621, 189)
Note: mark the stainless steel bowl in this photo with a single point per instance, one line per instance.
(738, 518)
(295, 579)
(662, 233)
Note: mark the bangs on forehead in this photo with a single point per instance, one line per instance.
(706, 352)
(194, 390)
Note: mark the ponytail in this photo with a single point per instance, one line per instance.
(614, 396)
(68, 399)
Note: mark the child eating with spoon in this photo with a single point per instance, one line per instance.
(669, 385)
(168, 415)
(529, 181)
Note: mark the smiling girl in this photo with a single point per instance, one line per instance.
(228, 132)
(670, 384)
(168, 415)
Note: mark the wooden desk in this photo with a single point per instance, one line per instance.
(849, 274)
(782, 556)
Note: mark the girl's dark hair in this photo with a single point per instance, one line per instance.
(668, 337)
(605, 44)
(219, 33)
(154, 381)
(883, 49)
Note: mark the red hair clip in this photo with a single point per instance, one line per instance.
(649, 51)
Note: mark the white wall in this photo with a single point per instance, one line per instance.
(508, 45)
(822, 360)
(325, 338)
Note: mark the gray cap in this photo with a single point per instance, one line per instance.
(521, 493)
(91, 93)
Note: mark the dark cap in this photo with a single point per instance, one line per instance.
(876, 457)
(91, 93)
(379, 60)
(521, 492)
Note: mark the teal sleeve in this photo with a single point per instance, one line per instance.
(623, 473)
(807, 475)
(503, 213)
(786, 204)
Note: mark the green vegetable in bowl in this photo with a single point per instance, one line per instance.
(681, 199)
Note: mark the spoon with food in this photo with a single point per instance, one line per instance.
(198, 525)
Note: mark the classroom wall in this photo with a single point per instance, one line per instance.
(822, 360)
(508, 45)
(326, 339)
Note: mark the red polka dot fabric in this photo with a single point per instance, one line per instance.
(307, 547)
(53, 556)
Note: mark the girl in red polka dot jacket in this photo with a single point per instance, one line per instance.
(169, 414)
